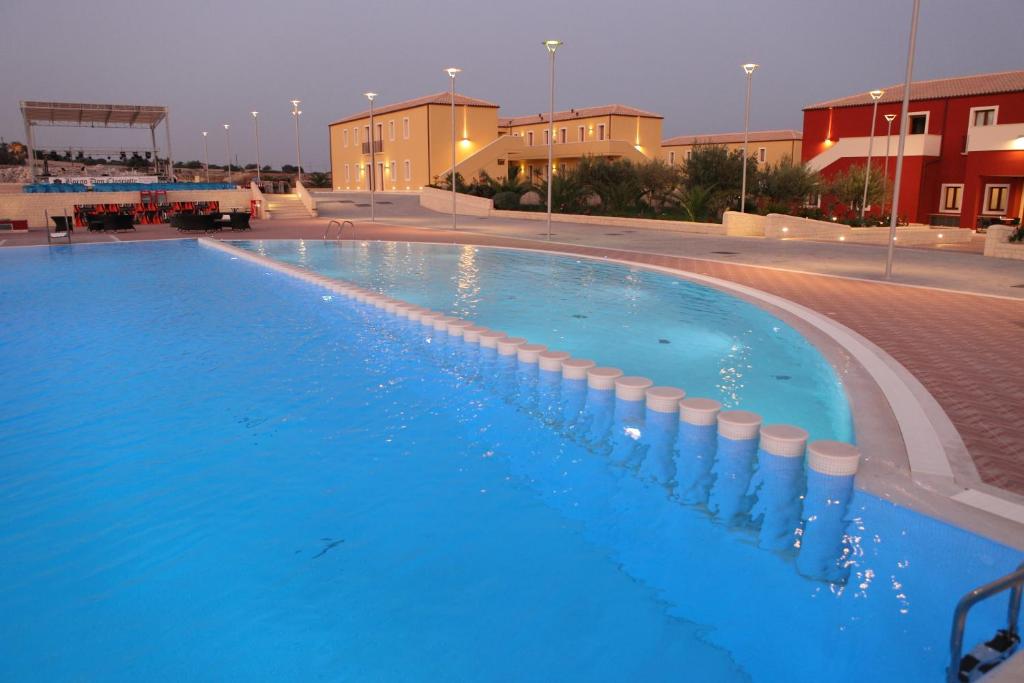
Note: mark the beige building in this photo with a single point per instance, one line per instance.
(413, 141)
(767, 146)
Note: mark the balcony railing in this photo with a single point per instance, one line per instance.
(378, 146)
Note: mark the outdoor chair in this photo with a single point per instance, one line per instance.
(237, 220)
(194, 222)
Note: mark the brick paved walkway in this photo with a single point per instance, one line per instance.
(965, 349)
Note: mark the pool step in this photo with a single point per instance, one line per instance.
(286, 207)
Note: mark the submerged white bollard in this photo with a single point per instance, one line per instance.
(734, 462)
(577, 368)
(489, 339)
(510, 345)
(574, 393)
(778, 485)
(661, 423)
(824, 553)
(530, 353)
(599, 409)
(471, 335)
(441, 324)
(696, 443)
(549, 384)
(551, 361)
(416, 312)
(427, 319)
(628, 425)
(457, 328)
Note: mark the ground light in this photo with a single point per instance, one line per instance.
(552, 46)
(452, 73)
(749, 70)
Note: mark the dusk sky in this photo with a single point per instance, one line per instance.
(213, 61)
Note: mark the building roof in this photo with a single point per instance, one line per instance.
(569, 114)
(436, 98)
(941, 88)
(91, 115)
(724, 138)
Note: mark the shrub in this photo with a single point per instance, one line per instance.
(1018, 234)
(506, 200)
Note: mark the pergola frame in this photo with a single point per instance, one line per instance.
(79, 115)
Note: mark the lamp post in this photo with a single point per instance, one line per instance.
(900, 148)
(373, 159)
(889, 118)
(875, 95)
(296, 113)
(749, 70)
(256, 120)
(227, 132)
(206, 155)
(552, 46)
(452, 72)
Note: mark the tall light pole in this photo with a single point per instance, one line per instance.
(875, 95)
(903, 137)
(749, 70)
(552, 46)
(296, 113)
(256, 120)
(889, 118)
(227, 132)
(452, 72)
(206, 155)
(373, 159)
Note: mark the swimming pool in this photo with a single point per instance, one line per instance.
(211, 471)
(675, 332)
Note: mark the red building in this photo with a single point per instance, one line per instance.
(964, 156)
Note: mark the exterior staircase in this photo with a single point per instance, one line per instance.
(286, 207)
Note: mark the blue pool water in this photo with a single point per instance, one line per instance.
(213, 472)
(673, 331)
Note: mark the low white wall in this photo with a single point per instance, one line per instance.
(744, 224)
(617, 222)
(465, 204)
(306, 198)
(781, 226)
(997, 244)
(34, 207)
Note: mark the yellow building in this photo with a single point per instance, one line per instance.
(412, 141)
(767, 146)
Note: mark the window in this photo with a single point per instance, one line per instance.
(672, 158)
(918, 123)
(529, 138)
(391, 130)
(546, 136)
(600, 131)
(405, 129)
(344, 137)
(408, 170)
(688, 154)
(348, 174)
(366, 133)
(952, 195)
(813, 201)
(983, 116)
(394, 172)
(562, 136)
(582, 133)
(762, 155)
(996, 197)
(379, 132)
(355, 136)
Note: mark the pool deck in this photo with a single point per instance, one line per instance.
(961, 345)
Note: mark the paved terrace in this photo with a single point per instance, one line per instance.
(962, 345)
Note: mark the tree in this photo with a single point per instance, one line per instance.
(658, 181)
(317, 180)
(288, 168)
(13, 153)
(696, 202)
(788, 183)
(719, 171)
(848, 186)
(614, 181)
(568, 194)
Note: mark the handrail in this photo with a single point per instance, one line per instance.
(341, 227)
(1014, 581)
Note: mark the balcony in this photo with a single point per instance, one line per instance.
(998, 138)
(378, 147)
(857, 147)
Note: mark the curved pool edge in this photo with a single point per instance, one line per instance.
(932, 473)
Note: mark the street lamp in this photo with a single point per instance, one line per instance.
(452, 72)
(875, 96)
(901, 147)
(227, 132)
(206, 155)
(296, 113)
(373, 159)
(551, 46)
(749, 70)
(889, 118)
(256, 120)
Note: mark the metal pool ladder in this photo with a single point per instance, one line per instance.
(1013, 582)
(341, 228)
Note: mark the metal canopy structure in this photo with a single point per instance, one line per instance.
(82, 115)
